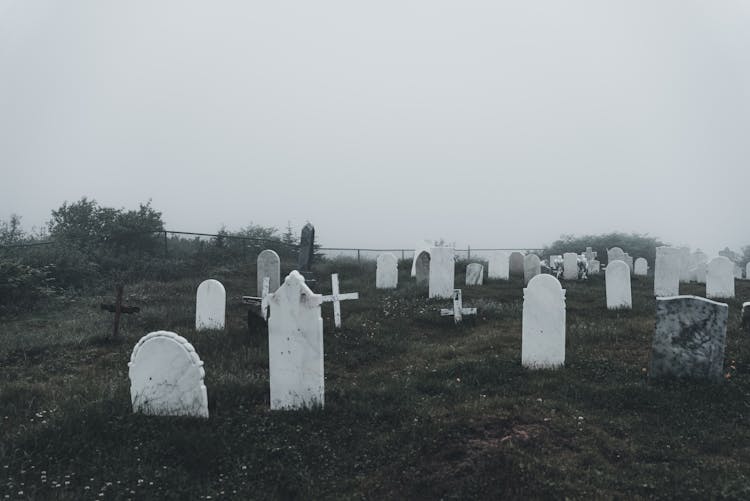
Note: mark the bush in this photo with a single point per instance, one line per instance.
(22, 286)
(634, 244)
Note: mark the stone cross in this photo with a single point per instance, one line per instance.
(118, 308)
(336, 299)
(458, 310)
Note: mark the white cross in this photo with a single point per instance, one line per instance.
(335, 298)
(458, 310)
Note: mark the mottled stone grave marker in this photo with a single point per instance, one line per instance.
(166, 377)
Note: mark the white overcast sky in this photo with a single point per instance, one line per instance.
(493, 124)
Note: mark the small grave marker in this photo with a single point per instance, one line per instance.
(336, 299)
(118, 308)
(458, 310)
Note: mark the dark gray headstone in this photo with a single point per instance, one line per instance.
(746, 316)
(690, 337)
(306, 248)
(423, 268)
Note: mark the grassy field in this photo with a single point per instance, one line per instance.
(415, 406)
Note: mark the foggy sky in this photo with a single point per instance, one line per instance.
(492, 124)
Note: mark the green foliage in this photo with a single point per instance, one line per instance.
(635, 244)
(11, 231)
(22, 286)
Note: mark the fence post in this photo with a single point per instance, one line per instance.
(358, 258)
(469, 252)
(166, 251)
(403, 255)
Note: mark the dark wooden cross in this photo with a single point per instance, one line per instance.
(118, 308)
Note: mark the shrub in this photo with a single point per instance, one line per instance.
(22, 286)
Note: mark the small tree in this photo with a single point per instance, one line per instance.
(11, 231)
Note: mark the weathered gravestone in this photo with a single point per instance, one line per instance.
(641, 267)
(386, 274)
(628, 259)
(698, 267)
(166, 377)
(306, 251)
(667, 272)
(269, 265)
(615, 254)
(474, 274)
(442, 272)
(295, 346)
(689, 339)
(210, 305)
(570, 266)
(423, 268)
(590, 254)
(515, 264)
(532, 267)
(420, 248)
(720, 278)
(498, 266)
(593, 267)
(737, 272)
(746, 316)
(543, 336)
(685, 274)
(617, 278)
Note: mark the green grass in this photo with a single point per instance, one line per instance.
(416, 407)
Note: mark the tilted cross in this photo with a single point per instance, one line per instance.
(263, 300)
(336, 297)
(117, 308)
(458, 310)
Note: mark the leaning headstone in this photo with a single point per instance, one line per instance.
(531, 267)
(689, 339)
(295, 346)
(543, 336)
(210, 305)
(166, 377)
(421, 247)
(593, 267)
(720, 278)
(667, 272)
(641, 267)
(423, 268)
(269, 265)
(498, 266)
(617, 278)
(570, 266)
(386, 275)
(515, 263)
(306, 250)
(474, 274)
(442, 272)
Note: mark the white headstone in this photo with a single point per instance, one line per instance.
(543, 337)
(628, 259)
(386, 276)
(269, 265)
(615, 254)
(442, 272)
(698, 266)
(531, 267)
(570, 266)
(474, 274)
(424, 246)
(498, 266)
(720, 278)
(593, 267)
(667, 272)
(617, 277)
(166, 377)
(210, 305)
(515, 264)
(685, 274)
(641, 267)
(295, 346)
(423, 268)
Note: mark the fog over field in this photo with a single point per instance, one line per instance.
(492, 124)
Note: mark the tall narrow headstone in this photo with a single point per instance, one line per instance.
(210, 305)
(423, 268)
(667, 272)
(617, 277)
(515, 263)
(531, 267)
(295, 346)
(498, 266)
(720, 278)
(474, 274)
(543, 336)
(641, 267)
(570, 266)
(386, 275)
(689, 339)
(269, 265)
(306, 248)
(166, 377)
(442, 272)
